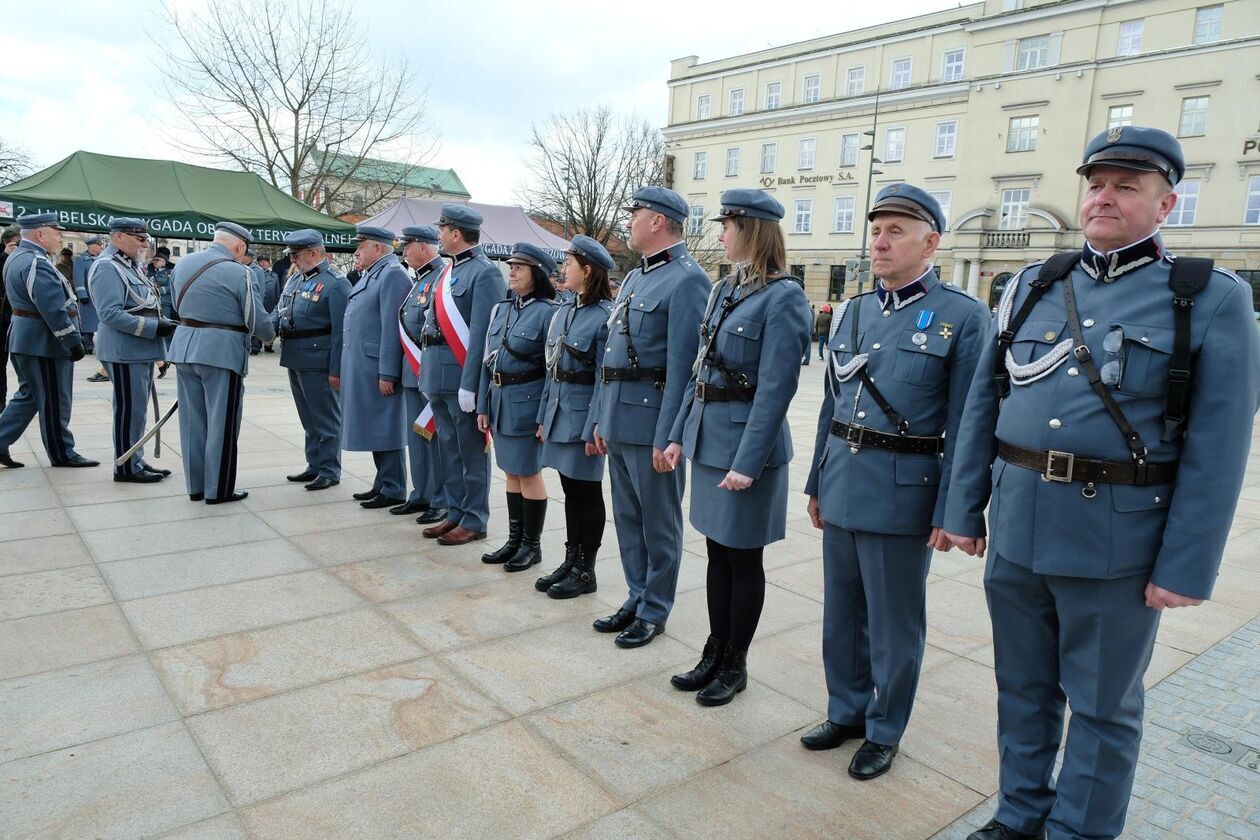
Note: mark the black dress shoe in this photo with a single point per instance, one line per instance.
(431, 515)
(871, 760)
(77, 460)
(235, 497)
(828, 735)
(409, 507)
(151, 469)
(994, 830)
(731, 679)
(141, 477)
(366, 494)
(638, 634)
(380, 502)
(196, 497)
(614, 623)
(98, 377)
(7, 460)
(322, 484)
(706, 669)
(307, 475)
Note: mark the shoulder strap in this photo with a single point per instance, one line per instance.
(1189, 276)
(193, 279)
(1052, 270)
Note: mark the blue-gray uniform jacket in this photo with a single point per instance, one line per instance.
(1174, 532)
(308, 319)
(655, 317)
(34, 285)
(129, 307)
(565, 410)
(475, 286)
(271, 290)
(87, 313)
(515, 342)
(162, 277)
(226, 294)
(924, 372)
(371, 351)
(415, 311)
(759, 344)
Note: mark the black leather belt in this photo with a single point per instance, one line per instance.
(501, 379)
(580, 377)
(635, 374)
(206, 325)
(427, 340)
(1065, 467)
(722, 393)
(312, 333)
(27, 313)
(861, 437)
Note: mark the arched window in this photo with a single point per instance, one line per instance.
(999, 283)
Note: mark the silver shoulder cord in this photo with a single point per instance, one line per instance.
(550, 356)
(1037, 368)
(714, 294)
(488, 356)
(845, 372)
(247, 308)
(72, 299)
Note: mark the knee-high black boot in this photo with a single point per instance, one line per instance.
(509, 548)
(533, 515)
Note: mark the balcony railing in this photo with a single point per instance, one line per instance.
(1006, 239)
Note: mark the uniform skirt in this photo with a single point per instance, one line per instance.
(571, 461)
(518, 454)
(749, 518)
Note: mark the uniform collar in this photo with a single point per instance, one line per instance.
(428, 268)
(112, 253)
(1112, 265)
(323, 264)
(522, 302)
(908, 293)
(31, 245)
(465, 256)
(662, 257)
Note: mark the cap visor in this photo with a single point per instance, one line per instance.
(901, 207)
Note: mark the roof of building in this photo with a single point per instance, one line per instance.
(397, 172)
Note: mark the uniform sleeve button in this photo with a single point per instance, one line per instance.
(739, 329)
(875, 346)
(1056, 423)
(861, 415)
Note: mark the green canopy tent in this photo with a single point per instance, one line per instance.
(177, 200)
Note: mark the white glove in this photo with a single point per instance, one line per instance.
(467, 401)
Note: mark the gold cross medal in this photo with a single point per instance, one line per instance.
(946, 330)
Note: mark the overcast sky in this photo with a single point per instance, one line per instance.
(81, 75)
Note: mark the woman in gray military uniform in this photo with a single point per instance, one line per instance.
(733, 429)
(508, 395)
(575, 344)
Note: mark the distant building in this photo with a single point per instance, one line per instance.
(376, 184)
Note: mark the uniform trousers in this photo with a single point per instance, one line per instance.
(465, 462)
(1087, 641)
(5, 318)
(647, 512)
(391, 473)
(131, 382)
(211, 400)
(319, 409)
(427, 484)
(46, 389)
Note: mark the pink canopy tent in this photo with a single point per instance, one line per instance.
(503, 225)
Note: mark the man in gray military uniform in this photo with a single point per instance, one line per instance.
(88, 319)
(371, 367)
(1107, 429)
(219, 306)
(901, 361)
(652, 337)
(309, 320)
(44, 344)
(454, 341)
(130, 338)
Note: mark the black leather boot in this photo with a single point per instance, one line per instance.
(581, 578)
(731, 679)
(706, 669)
(533, 514)
(505, 552)
(544, 583)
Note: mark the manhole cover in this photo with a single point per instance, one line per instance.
(1224, 749)
(1209, 743)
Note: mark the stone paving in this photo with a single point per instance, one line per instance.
(294, 666)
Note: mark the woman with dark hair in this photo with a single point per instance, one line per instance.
(508, 396)
(733, 428)
(575, 344)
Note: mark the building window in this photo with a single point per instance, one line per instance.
(1022, 135)
(813, 89)
(695, 220)
(1207, 24)
(732, 162)
(895, 145)
(1130, 40)
(704, 107)
(175, 250)
(901, 73)
(844, 214)
(1012, 5)
(835, 288)
(1119, 115)
(848, 149)
(946, 139)
(1014, 209)
(774, 95)
(769, 156)
(1193, 116)
(952, 65)
(724, 270)
(1187, 206)
(803, 215)
(805, 153)
(1252, 214)
(736, 104)
(700, 166)
(1033, 53)
(943, 198)
(855, 80)
(797, 270)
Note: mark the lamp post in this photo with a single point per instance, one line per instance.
(870, 180)
(567, 207)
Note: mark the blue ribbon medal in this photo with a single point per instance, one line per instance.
(922, 323)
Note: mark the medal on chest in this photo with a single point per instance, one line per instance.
(921, 323)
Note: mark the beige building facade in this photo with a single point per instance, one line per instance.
(987, 106)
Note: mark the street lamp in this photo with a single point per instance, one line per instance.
(871, 172)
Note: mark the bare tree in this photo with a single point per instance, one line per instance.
(583, 167)
(704, 246)
(15, 163)
(290, 89)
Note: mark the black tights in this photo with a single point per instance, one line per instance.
(736, 590)
(584, 513)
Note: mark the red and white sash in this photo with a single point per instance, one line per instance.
(454, 327)
(424, 425)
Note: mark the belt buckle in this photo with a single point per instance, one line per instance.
(1051, 457)
(497, 379)
(700, 392)
(854, 440)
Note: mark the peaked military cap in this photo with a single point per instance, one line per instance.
(909, 200)
(236, 230)
(372, 233)
(126, 224)
(749, 203)
(304, 238)
(32, 221)
(460, 216)
(96, 240)
(527, 254)
(591, 251)
(659, 200)
(1135, 147)
(426, 234)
